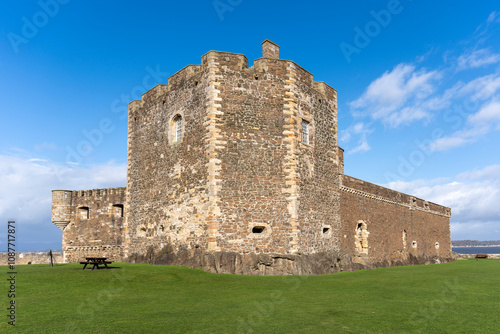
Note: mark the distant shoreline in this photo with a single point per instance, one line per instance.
(476, 246)
(475, 243)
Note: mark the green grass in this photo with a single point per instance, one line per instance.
(459, 297)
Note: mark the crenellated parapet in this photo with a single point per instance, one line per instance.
(69, 205)
(98, 193)
(376, 192)
(220, 62)
(182, 76)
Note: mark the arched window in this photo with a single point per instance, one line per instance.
(361, 237)
(177, 127)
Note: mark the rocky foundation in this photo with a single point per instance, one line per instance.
(270, 264)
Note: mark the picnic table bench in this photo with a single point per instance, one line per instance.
(481, 256)
(95, 262)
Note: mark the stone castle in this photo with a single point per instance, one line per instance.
(237, 169)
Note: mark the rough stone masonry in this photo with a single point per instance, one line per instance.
(237, 169)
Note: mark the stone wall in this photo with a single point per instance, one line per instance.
(33, 257)
(382, 227)
(252, 157)
(167, 177)
(92, 222)
(318, 195)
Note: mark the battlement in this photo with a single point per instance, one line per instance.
(377, 192)
(155, 93)
(326, 90)
(91, 193)
(67, 205)
(216, 62)
(180, 77)
(224, 60)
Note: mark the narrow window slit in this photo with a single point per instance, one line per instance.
(305, 132)
(258, 229)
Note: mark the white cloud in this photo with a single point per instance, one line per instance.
(407, 115)
(488, 173)
(493, 17)
(488, 113)
(408, 187)
(394, 98)
(345, 136)
(477, 58)
(27, 184)
(473, 197)
(460, 138)
(447, 143)
(481, 88)
(478, 125)
(410, 93)
(361, 130)
(483, 28)
(470, 93)
(362, 147)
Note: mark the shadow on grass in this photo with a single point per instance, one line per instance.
(98, 269)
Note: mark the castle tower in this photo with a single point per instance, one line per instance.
(61, 208)
(231, 158)
(92, 222)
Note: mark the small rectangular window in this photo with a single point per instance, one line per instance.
(118, 210)
(84, 212)
(305, 132)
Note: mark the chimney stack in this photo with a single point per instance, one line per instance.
(270, 50)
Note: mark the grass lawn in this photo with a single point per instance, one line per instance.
(459, 297)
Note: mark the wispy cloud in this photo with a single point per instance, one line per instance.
(27, 184)
(361, 131)
(477, 125)
(394, 98)
(489, 113)
(484, 27)
(410, 92)
(459, 138)
(493, 17)
(487, 173)
(477, 58)
(478, 89)
(473, 197)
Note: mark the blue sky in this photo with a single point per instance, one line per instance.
(418, 92)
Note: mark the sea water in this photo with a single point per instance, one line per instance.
(476, 250)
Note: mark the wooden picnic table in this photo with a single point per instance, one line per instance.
(96, 262)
